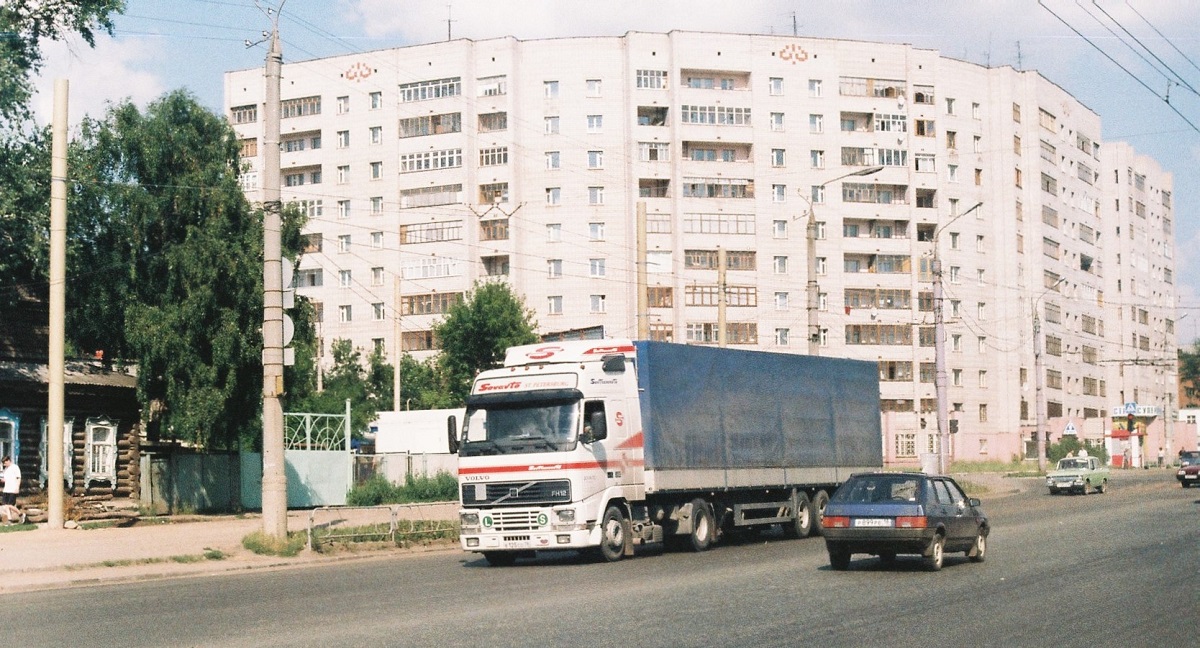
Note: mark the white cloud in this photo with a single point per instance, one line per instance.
(111, 72)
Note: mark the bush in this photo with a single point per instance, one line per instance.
(267, 545)
(1070, 445)
(442, 487)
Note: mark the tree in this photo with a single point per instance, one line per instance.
(165, 266)
(24, 24)
(476, 332)
(368, 388)
(1189, 369)
(24, 205)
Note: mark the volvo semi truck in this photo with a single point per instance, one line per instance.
(607, 445)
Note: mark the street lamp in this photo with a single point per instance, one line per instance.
(939, 347)
(814, 327)
(1040, 377)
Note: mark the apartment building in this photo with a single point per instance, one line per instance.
(425, 169)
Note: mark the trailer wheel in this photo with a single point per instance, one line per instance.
(801, 524)
(703, 526)
(820, 500)
(612, 534)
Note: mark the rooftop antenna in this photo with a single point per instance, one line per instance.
(1019, 55)
(449, 21)
(795, 27)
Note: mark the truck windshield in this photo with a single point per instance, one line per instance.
(521, 428)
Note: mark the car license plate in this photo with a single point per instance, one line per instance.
(872, 522)
(1190, 476)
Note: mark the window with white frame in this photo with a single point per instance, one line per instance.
(550, 89)
(376, 205)
(595, 195)
(595, 123)
(343, 174)
(376, 100)
(100, 452)
(553, 195)
(343, 209)
(553, 160)
(343, 105)
(776, 85)
(822, 266)
(345, 313)
(952, 172)
(10, 422)
(378, 311)
(596, 231)
(345, 278)
(596, 267)
(817, 158)
(778, 193)
(343, 139)
(376, 133)
(554, 304)
(551, 125)
(779, 229)
(781, 336)
(377, 240)
(554, 232)
(781, 301)
(597, 303)
(377, 276)
(957, 379)
(554, 268)
(654, 151)
(376, 170)
(777, 121)
(595, 159)
(816, 123)
(343, 243)
(817, 195)
(493, 156)
(814, 88)
(593, 87)
(777, 157)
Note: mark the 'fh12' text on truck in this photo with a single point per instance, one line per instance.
(601, 446)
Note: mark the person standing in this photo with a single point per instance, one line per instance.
(10, 486)
(1161, 456)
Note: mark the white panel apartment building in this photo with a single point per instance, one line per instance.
(525, 161)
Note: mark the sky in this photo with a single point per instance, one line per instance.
(1136, 63)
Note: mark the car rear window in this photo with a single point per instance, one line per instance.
(879, 488)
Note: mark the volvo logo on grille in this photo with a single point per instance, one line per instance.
(512, 492)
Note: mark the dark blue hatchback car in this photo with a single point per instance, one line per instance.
(885, 514)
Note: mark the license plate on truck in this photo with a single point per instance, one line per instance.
(518, 544)
(872, 522)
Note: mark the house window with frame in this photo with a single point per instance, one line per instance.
(343, 174)
(593, 87)
(776, 86)
(781, 301)
(778, 193)
(100, 452)
(376, 205)
(779, 229)
(816, 123)
(343, 243)
(554, 305)
(376, 100)
(777, 157)
(554, 232)
(553, 160)
(595, 195)
(377, 275)
(345, 278)
(781, 336)
(553, 195)
(597, 303)
(595, 159)
(817, 158)
(595, 123)
(343, 105)
(596, 231)
(377, 240)
(814, 88)
(550, 89)
(345, 313)
(376, 134)
(343, 139)
(343, 209)
(551, 125)
(596, 267)
(376, 170)
(554, 268)
(378, 312)
(777, 121)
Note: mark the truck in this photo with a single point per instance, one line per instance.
(602, 446)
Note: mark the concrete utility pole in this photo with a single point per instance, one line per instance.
(643, 291)
(58, 306)
(274, 477)
(811, 289)
(1039, 379)
(722, 340)
(939, 349)
(399, 348)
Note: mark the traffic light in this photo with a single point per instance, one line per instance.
(953, 426)
(1129, 420)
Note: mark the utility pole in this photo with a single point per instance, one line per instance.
(643, 297)
(274, 477)
(722, 340)
(58, 306)
(399, 348)
(1039, 379)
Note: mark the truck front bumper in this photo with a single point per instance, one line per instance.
(524, 530)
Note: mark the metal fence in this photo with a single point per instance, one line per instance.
(330, 524)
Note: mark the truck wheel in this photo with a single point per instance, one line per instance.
(801, 524)
(500, 558)
(936, 553)
(612, 534)
(978, 550)
(703, 526)
(819, 501)
(839, 558)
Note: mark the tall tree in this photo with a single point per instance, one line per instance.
(24, 25)
(24, 205)
(476, 332)
(165, 260)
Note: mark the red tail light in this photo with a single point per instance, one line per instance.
(835, 521)
(910, 522)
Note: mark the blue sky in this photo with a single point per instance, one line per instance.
(161, 45)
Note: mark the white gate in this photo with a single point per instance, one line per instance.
(320, 467)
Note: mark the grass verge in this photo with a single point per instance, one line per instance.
(267, 545)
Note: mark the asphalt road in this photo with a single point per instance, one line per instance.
(1118, 569)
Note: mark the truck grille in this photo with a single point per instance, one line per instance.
(517, 493)
(514, 521)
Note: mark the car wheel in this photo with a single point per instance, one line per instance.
(819, 501)
(887, 558)
(978, 551)
(801, 525)
(936, 553)
(612, 534)
(1053, 492)
(1102, 486)
(839, 558)
(703, 526)
(500, 558)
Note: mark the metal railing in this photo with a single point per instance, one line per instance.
(362, 523)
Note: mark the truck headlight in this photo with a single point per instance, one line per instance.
(468, 520)
(565, 516)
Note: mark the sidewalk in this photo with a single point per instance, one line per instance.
(46, 559)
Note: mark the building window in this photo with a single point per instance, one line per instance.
(596, 267)
(778, 193)
(550, 89)
(776, 85)
(779, 228)
(553, 160)
(378, 311)
(343, 243)
(493, 156)
(553, 268)
(596, 231)
(651, 79)
(816, 123)
(376, 170)
(345, 313)
(553, 195)
(777, 157)
(376, 100)
(554, 232)
(435, 89)
(781, 301)
(243, 114)
(551, 125)
(595, 159)
(377, 240)
(491, 122)
(593, 87)
(597, 303)
(817, 158)
(343, 209)
(554, 305)
(343, 139)
(777, 121)
(814, 88)
(595, 195)
(595, 123)
(376, 134)
(343, 105)
(301, 107)
(781, 336)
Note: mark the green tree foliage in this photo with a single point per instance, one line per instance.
(476, 332)
(25, 25)
(165, 261)
(24, 206)
(1069, 445)
(368, 387)
(1189, 365)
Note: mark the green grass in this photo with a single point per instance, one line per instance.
(442, 487)
(267, 545)
(408, 533)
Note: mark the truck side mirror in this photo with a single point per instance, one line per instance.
(451, 437)
(599, 427)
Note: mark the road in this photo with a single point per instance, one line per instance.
(1117, 569)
